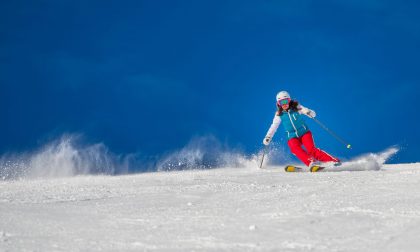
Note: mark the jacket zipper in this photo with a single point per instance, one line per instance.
(291, 121)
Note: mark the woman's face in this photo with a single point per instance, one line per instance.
(284, 103)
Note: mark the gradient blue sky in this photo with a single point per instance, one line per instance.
(147, 76)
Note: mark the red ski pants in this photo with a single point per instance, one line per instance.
(312, 153)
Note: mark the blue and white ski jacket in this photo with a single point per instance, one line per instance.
(293, 122)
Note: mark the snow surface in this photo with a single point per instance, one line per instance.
(227, 209)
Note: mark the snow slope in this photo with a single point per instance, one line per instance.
(228, 209)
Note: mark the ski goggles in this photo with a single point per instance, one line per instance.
(283, 102)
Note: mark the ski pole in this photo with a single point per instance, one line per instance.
(263, 155)
(333, 134)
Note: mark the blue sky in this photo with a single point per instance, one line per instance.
(147, 76)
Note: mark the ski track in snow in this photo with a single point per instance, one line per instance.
(229, 209)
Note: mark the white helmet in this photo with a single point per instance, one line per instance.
(282, 95)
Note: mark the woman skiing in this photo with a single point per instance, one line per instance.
(289, 112)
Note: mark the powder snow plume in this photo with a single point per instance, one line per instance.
(63, 157)
(204, 153)
(368, 162)
(67, 157)
(277, 157)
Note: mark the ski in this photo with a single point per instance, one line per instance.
(292, 168)
(316, 168)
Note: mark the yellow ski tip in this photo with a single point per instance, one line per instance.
(290, 168)
(316, 168)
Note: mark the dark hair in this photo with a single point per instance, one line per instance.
(293, 105)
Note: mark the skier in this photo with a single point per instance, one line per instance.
(290, 113)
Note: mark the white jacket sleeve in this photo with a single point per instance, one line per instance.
(274, 126)
(306, 111)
